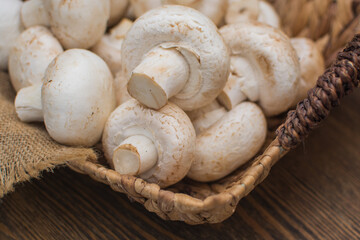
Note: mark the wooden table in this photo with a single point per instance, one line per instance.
(312, 193)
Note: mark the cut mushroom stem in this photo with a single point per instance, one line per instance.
(162, 74)
(28, 104)
(242, 83)
(135, 155)
(34, 13)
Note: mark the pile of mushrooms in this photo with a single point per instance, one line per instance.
(169, 95)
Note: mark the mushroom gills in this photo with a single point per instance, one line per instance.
(161, 75)
(135, 155)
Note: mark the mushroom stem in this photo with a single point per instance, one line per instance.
(241, 85)
(161, 74)
(28, 104)
(33, 13)
(135, 155)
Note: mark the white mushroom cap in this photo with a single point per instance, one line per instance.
(10, 28)
(156, 145)
(229, 143)
(139, 7)
(77, 24)
(117, 10)
(273, 63)
(311, 64)
(161, 45)
(213, 9)
(77, 97)
(109, 47)
(252, 10)
(30, 55)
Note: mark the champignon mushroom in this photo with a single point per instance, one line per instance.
(265, 67)
(251, 10)
(10, 28)
(139, 7)
(311, 64)
(30, 55)
(117, 11)
(213, 9)
(76, 98)
(229, 143)
(109, 47)
(175, 52)
(77, 24)
(158, 145)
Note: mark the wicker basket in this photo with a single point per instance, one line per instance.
(332, 24)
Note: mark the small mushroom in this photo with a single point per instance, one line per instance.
(139, 7)
(176, 53)
(109, 47)
(30, 55)
(251, 10)
(117, 11)
(311, 64)
(74, 101)
(229, 143)
(10, 28)
(158, 145)
(77, 24)
(264, 67)
(213, 9)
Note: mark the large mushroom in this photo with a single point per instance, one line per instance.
(251, 10)
(229, 143)
(311, 64)
(264, 67)
(30, 55)
(213, 9)
(158, 145)
(109, 47)
(74, 101)
(10, 28)
(176, 53)
(77, 24)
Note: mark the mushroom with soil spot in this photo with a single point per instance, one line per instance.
(175, 52)
(74, 101)
(158, 145)
(10, 28)
(311, 65)
(30, 55)
(229, 143)
(109, 47)
(264, 67)
(77, 24)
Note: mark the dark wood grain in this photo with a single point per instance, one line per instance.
(312, 193)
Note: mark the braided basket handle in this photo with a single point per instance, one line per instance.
(338, 81)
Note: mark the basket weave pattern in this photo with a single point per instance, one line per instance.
(332, 24)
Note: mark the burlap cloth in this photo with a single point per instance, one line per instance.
(26, 150)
